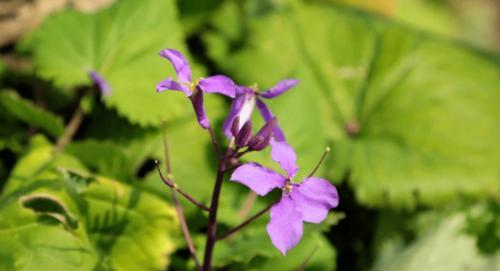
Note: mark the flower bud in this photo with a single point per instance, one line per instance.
(258, 143)
(244, 135)
(267, 129)
(235, 127)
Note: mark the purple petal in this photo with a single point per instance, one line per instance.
(258, 178)
(180, 64)
(233, 113)
(285, 227)
(199, 109)
(267, 115)
(315, 197)
(170, 84)
(242, 107)
(284, 154)
(100, 82)
(218, 84)
(280, 88)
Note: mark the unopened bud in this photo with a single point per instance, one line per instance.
(258, 143)
(267, 129)
(235, 126)
(244, 135)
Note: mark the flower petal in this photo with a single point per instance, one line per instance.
(315, 197)
(233, 113)
(285, 227)
(170, 84)
(284, 154)
(199, 109)
(218, 84)
(180, 64)
(280, 88)
(100, 82)
(267, 115)
(258, 178)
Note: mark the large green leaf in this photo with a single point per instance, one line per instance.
(16, 107)
(413, 118)
(441, 245)
(33, 240)
(121, 43)
(65, 218)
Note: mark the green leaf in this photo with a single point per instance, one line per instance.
(122, 44)
(24, 110)
(67, 219)
(104, 157)
(31, 241)
(441, 246)
(483, 222)
(195, 13)
(414, 117)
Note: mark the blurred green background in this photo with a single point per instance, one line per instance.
(405, 92)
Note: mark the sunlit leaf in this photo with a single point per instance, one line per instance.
(64, 218)
(415, 118)
(122, 44)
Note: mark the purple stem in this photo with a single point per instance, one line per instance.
(212, 220)
(185, 230)
(246, 222)
(176, 188)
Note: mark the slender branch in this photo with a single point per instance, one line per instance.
(308, 258)
(185, 230)
(327, 150)
(212, 219)
(240, 154)
(69, 132)
(246, 222)
(214, 142)
(174, 186)
(247, 205)
(178, 207)
(165, 148)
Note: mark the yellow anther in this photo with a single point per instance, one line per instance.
(175, 186)
(254, 87)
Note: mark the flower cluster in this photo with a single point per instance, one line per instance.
(307, 201)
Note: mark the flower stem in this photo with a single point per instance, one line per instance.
(308, 258)
(214, 142)
(71, 128)
(327, 150)
(247, 204)
(212, 219)
(175, 187)
(185, 230)
(178, 207)
(246, 222)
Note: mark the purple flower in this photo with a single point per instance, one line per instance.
(100, 82)
(308, 201)
(194, 90)
(245, 101)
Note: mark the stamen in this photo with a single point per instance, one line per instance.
(254, 88)
(327, 150)
(287, 189)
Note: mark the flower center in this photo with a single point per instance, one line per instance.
(254, 88)
(191, 85)
(287, 189)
